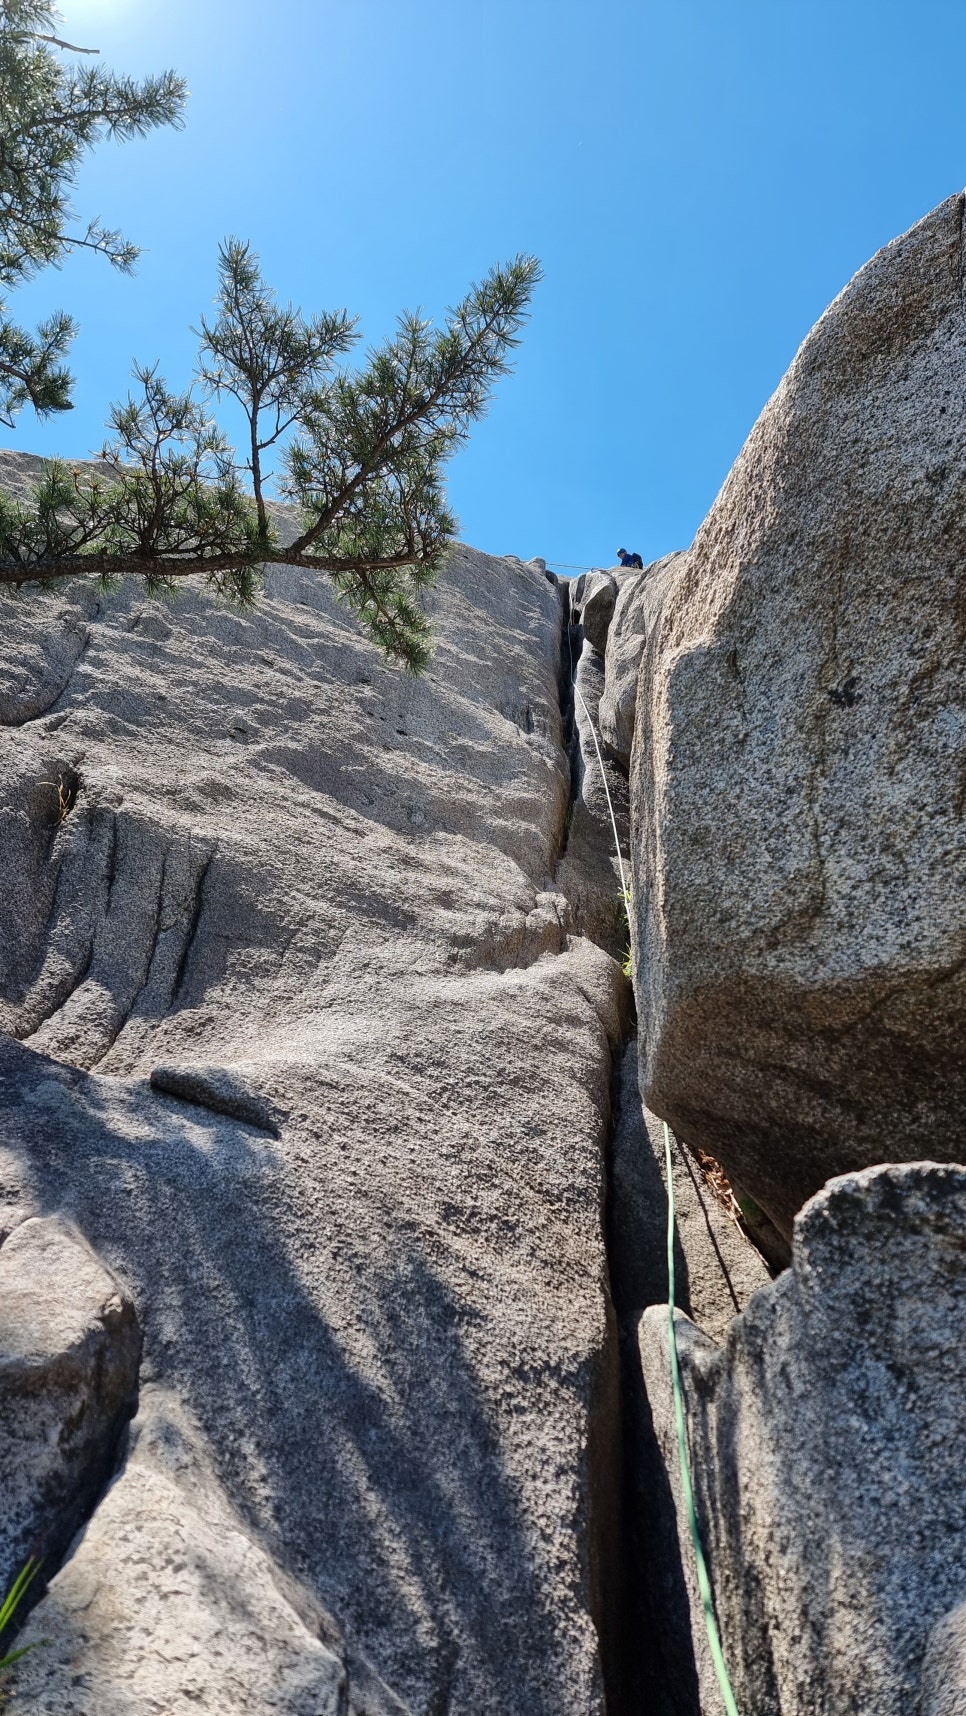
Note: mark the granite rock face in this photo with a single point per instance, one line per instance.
(639, 605)
(827, 1442)
(283, 949)
(69, 1351)
(800, 758)
(944, 1667)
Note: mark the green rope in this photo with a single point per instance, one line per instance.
(704, 1583)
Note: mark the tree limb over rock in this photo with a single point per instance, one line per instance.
(361, 452)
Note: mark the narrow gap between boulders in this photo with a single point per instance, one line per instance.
(571, 644)
(625, 1468)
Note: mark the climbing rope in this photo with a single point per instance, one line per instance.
(684, 1457)
(687, 1487)
(603, 776)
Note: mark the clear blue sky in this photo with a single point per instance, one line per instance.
(698, 177)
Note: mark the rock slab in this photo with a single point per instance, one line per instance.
(716, 1268)
(589, 870)
(800, 760)
(638, 608)
(302, 1034)
(594, 597)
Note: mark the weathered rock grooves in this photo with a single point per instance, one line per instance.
(366, 1244)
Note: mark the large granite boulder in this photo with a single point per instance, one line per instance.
(69, 1351)
(827, 1441)
(800, 759)
(309, 1049)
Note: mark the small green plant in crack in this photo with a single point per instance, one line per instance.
(8, 1610)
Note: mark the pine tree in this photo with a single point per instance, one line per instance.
(51, 113)
(360, 451)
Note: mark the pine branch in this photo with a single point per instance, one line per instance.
(54, 41)
(50, 115)
(362, 453)
(108, 567)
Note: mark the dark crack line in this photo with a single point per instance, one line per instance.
(193, 927)
(64, 992)
(125, 1012)
(685, 1157)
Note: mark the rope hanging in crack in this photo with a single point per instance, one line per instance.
(687, 1485)
(603, 771)
(603, 776)
(704, 1583)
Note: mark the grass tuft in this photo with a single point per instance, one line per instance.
(8, 1611)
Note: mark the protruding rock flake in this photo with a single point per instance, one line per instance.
(826, 1437)
(69, 1352)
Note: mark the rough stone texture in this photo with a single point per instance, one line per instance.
(168, 1605)
(944, 1667)
(594, 609)
(827, 1443)
(640, 602)
(69, 1350)
(311, 1052)
(799, 773)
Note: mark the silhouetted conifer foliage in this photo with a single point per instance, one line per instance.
(360, 451)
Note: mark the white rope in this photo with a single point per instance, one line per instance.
(603, 776)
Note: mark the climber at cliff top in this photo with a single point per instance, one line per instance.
(629, 559)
